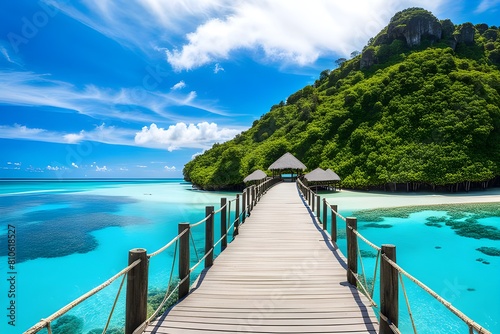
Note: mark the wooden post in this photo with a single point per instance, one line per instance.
(388, 290)
(318, 204)
(255, 195)
(313, 196)
(352, 250)
(325, 214)
(184, 258)
(249, 194)
(236, 216)
(252, 202)
(223, 223)
(333, 228)
(137, 291)
(243, 206)
(209, 236)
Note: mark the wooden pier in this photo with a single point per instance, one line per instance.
(281, 274)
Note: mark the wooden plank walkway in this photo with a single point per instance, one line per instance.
(280, 275)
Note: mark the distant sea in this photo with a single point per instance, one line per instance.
(73, 235)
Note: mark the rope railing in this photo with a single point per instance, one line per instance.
(468, 321)
(335, 212)
(368, 242)
(254, 194)
(361, 281)
(164, 248)
(200, 222)
(47, 321)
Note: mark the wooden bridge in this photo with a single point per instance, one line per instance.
(282, 273)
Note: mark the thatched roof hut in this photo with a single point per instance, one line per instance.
(320, 177)
(316, 175)
(255, 176)
(333, 175)
(287, 162)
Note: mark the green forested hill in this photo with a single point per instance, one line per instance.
(418, 107)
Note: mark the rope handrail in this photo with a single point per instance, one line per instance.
(203, 258)
(141, 328)
(368, 242)
(335, 212)
(200, 222)
(393, 327)
(46, 322)
(221, 208)
(447, 304)
(367, 295)
(170, 243)
(221, 238)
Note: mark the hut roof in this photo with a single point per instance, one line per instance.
(287, 161)
(255, 176)
(320, 175)
(333, 175)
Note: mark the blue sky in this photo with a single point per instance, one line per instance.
(135, 88)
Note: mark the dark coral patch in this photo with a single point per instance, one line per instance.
(65, 230)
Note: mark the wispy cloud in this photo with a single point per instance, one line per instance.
(102, 169)
(181, 135)
(101, 134)
(218, 68)
(31, 89)
(486, 5)
(181, 84)
(123, 20)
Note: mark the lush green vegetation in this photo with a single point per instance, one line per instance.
(425, 115)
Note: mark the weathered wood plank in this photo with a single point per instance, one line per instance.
(280, 275)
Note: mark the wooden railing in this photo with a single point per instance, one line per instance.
(136, 273)
(390, 273)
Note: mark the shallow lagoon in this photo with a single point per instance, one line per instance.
(428, 247)
(131, 214)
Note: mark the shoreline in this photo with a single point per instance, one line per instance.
(358, 200)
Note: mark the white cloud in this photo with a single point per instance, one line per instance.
(181, 135)
(73, 138)
(101, 169)
(290, 31)
(74, 165)
(141, 166)
(181, 84)
(55, 168)
(170, 169)
(218, 68)
(123, 169)
(486, 5)
(197, 154)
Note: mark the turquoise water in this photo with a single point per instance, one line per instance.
(92, 225)
(444, 261)
(73, 235)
